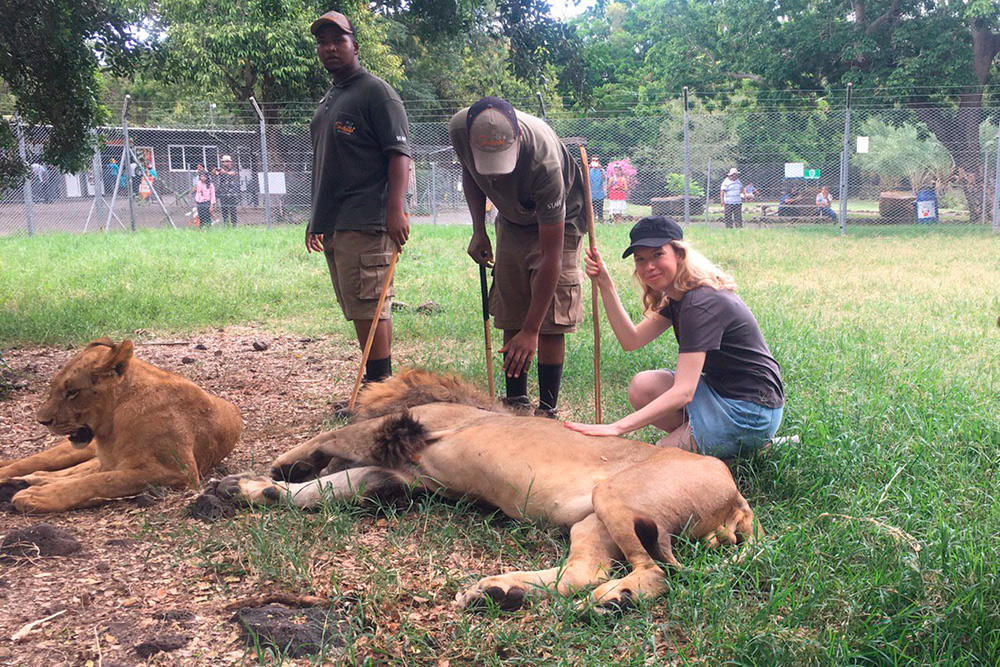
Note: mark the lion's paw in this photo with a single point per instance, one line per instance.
(8, 490)
(608, 600)
(250, 490)
(493, 592)
(291, 467)
(619, 594)
(35, 500)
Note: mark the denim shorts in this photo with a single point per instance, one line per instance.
(728, 427)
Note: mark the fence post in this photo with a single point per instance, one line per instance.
(434, 207)
(126, 166)
(29, 200)
(708, 186)
(687, 164)
(986, 175)
(845, 162)
(541, 105)
(996, 186)
(263, 162)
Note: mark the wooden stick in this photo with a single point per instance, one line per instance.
(371, 329)
(588, 209)
(486, 328)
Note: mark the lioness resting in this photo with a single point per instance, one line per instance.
(619, 498)
(128, 425)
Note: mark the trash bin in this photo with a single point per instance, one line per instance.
(927, 206)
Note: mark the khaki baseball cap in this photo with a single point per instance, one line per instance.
(332, 18)
(493, 135)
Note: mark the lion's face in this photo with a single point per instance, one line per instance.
(82, 394)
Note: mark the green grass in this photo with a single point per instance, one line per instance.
(888, 345)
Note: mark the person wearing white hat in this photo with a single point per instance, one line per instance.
(229, 189)
(730, 196)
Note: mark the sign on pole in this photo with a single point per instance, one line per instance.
(794, 169)
(811, 173)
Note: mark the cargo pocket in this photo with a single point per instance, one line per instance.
(374, 267)
(567, 304)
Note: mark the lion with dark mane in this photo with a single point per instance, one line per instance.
(619, 498)
(128, 425)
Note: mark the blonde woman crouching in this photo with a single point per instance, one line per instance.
(725, 397)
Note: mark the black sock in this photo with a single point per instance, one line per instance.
(377, 370)
(549, 381)
(516, 386)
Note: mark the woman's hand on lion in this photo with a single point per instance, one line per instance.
(613, 430)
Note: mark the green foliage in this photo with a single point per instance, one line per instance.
(262, 48)
(675, 186)
(906, 152)
(50, 53)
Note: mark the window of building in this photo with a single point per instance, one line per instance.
(187, 158)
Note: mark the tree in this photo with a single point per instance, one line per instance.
(263, 48)
(906, 152)
(932, 58)
(50, 55)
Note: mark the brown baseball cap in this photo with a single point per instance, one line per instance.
(493, 134)
(332, 18)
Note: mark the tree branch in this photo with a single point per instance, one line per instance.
(889, 15)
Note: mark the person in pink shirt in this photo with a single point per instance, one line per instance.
(204, 198)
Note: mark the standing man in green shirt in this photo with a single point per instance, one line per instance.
(518, 162)
(361, 161)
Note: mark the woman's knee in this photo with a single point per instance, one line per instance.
(648, 385)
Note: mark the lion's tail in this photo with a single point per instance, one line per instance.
(413, 387)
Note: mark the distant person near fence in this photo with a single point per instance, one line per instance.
(731, 198)
(229, 189)
(824, 202)
(205, 199)
(618, 187)
(790, 203)
(598, 179)
(360, 171)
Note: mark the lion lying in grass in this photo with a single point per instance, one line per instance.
(128, 424)
(619, 498)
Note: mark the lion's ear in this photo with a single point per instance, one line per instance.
(118, 358)
(101, 342)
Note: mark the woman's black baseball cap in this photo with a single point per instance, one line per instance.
(653, 232)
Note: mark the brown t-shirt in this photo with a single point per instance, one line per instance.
(738, 363)
(545, 187)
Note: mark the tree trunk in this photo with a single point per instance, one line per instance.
(960, 136)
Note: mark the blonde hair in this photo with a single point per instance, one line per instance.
(693, 270)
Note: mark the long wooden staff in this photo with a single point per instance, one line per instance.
(486, 330)
(588, 208)
(371, 329)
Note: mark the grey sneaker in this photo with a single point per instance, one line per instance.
(517, 404)
(548, 413)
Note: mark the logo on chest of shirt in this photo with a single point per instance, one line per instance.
(345, 127)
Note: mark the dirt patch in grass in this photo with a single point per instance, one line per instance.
(127, 585)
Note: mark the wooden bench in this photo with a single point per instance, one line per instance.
(768, 213)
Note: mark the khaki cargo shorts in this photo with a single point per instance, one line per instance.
(518, 256)
(358, 264)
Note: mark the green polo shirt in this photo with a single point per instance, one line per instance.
(545, 187)
(359, 124)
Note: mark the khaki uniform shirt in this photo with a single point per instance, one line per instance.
(545, 187)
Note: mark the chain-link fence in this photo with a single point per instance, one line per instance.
(854, 167)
